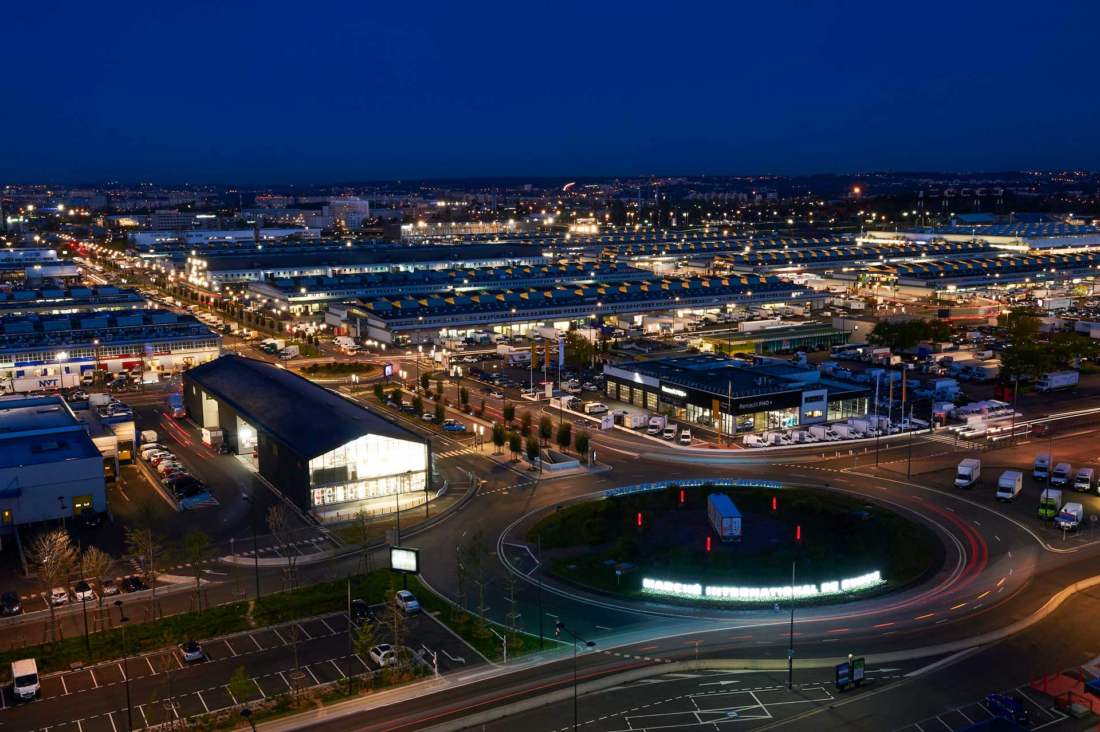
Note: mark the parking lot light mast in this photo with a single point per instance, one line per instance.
(255, 542)
(558, 627)
(123, 620)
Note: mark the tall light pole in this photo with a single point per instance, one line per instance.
(123, 620)
(255, 543)
(560, 626)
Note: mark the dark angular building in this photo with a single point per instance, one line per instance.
(321, 449)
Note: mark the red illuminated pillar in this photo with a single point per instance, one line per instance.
(639, 519)
(708, 544)
(775, 504)
(681, 495)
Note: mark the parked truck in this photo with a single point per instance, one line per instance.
(823, 432)
(724, 517)
(1055, 380)
(1009, 485)
(968, 472)
(656, 424)
(1083, 480)
(1050, 503)
(290, 352)
(1041, 469)
(1061, 475)
(1070, 517)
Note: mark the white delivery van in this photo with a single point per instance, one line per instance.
(1009, 485)
(968, 472)
(1061, 475)
(1041, 469)
(595, 408)
(1083, 480)
(24, 675)
(1070, 517)
(656, 425)
(670, 432)
(685, 437)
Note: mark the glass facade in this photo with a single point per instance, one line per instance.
(845, 408)
(371, 466)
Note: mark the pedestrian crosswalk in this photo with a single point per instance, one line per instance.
(456, 452)
(950, 438)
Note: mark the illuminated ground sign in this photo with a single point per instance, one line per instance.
(761, 594)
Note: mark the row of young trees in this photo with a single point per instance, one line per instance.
(56, 562)
(503, 435)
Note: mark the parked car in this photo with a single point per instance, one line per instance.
(407, 602)
(451, 425)
(10, 604)
(191, 651)
(383, 654)
(1006, 707)
(90, 519)
(497, 394)
(109, 587)
(83, 591)
(133, 583)
(428, 417)
(361, 612)
(59, 596)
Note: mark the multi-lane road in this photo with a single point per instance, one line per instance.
(1002, 567)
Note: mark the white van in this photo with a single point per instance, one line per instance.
(685, 437)
(1061, 475)
(595, 408)
(1009, 485)
(669, 432)
(24, 676)
(1041, 469)
(1083, 480)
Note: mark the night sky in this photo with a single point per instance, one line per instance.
(281, 91)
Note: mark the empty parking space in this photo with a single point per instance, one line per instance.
(325, 671)
(107, 674)
(52, 686)
(959, 718)
(220, 650)
(314, 629)
(102, 723)
(78, 681)
(273, 684)
(266, 638)
(351, 665)
(219, 698)
(190, 705)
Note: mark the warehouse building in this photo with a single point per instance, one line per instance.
(323, 451)
(733, 396)
(50, 468)
(448, 316)
(39, 352)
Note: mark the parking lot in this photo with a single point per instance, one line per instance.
(1040, 713)
(277, 659)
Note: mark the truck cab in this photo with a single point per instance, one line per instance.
(1083, 480)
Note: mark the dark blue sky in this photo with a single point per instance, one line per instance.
(285, 91)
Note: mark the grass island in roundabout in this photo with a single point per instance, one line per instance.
(657, 542)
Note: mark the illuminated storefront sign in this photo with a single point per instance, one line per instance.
(673, 391)
(761, 594)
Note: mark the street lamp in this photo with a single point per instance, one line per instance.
(122, 619)
(558, 627)
(255, 545)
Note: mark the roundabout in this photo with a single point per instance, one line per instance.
(659, 541)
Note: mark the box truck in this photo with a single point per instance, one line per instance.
(1041, 468)
(1070, 517)
(724, 517)
(823, 432)
(1061, 474)
(656, 425)
(175, 408)
(1009, 485)
(1050, 503)
(1083, 480)
(968, 472)
(1056, 380)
